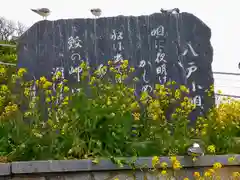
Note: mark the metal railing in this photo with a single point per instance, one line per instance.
(8, 45)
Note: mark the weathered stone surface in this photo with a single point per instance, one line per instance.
(54, 166)
(224, 173)
(161, 47)
(5, 169)
(105, 170)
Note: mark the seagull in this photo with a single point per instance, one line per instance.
(44, 12)
(96, 12)
(195, 150)
(174, 10)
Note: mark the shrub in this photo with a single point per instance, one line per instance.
(103, 118)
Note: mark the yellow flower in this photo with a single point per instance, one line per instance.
(136, 116)
(186, 178)
(177, 94)
(43, 79)
(27, 114)
(173, 158)
(164, 165)
(48, 92)
(26, 92)
(176, 165)
(196, 174)
(236, 174)
(58, 74)
(21, 71)
(65, 89)
(83, 65)
(47, 84)
(203, 132)
(116, 178)
(211, 148)
(205, 125)
(134, 106)
(110, 62)
(207, 174)
(144, 97)
(163, 172)
(131, 69)
(112, 69)
(219, 91)
(65, 100)
(92, 80)
(109, 102)
(4, 88)
(48, 100)
(174, 115)
(217, 165)
(2, 71)
(231, 159)
(194, 158)
(184, 89)
(155, 161)
(155, 117)
(211, 170)
(60, 86)
(125, 64)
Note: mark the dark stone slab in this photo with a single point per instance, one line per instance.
(161, 47)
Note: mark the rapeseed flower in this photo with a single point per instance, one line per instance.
(231, 159)
(21, 72)
(211, 149)
(163, 172)
(136, 116)
(155, 161)
(236, 174)
(207, 174)
(164, 165)
(217, 165)
(196, 174)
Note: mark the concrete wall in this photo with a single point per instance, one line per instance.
(106, 170)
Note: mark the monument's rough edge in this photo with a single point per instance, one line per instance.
(131, 16)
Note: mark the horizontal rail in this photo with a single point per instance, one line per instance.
(8, 64)
(227, 95)
(227, 73)
(8, 45)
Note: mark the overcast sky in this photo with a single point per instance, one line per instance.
(221, 16)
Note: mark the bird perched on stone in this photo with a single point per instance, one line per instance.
(195, 150)
(170, 11)
(44, 12)
(96, 12)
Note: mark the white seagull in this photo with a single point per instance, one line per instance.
(96, 12)
(195, 150)
(170, 11)
(44, 12)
